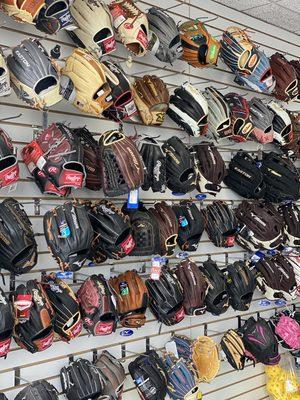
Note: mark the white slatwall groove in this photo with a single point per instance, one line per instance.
(229, 384)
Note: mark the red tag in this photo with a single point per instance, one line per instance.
(128, 244)
(179, 315)
(9, 175)
(23, 304)
(43, 344)
(4, 347)
(109, 44)
(103, 328)
(76, 329)
(142, 38)
(156, 268)
(230, 241)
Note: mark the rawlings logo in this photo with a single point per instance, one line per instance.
(76, 329)
(4, 347)
(37, 297)
(2, 299)
(11, 176)
(53, 170)
(73, 178)
(103, 329)
(45, 343)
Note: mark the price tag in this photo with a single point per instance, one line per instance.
(133, 199)
(264, 303)
(171, 348)
(65, 274)
(156, 268)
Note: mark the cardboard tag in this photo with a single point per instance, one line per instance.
(156, 268)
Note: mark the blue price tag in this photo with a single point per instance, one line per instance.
(271, 252)
(65, 274)
(280, 303)
(164, 260)
(64, 230)
(182, 254)
(126, 332)
(257, 256)
(264, 303)
(200, 196)
(183, 222)
(133, 199)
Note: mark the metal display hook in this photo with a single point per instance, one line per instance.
(12, 117)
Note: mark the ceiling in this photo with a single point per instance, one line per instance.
(282, 13)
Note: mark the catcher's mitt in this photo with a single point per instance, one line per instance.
(219, 122)
(39, 390)
(240, 285)
(83, 83)
(262, 120)
(91, 158)
(194, 285)
(281, 177)
(58, 154)
(220, 224)
(94, 27)
(69, 235)
(67, 319)
(180, 168)
(282, 125)
(241, 125)
(112, 231)
(33, 315)
(151, 97)
(155, 163)
(191, 225)
(6, 323)
(259, 341)
(166, 298)
(132, 26)
(168, 227)
(210, 168)
(233, 346)
(290, 213)
(286, 329)
(97, 308)
(55, 16)
(33, 75)
(164, 39)
(132, 298)
(200, 49)
(145, 231)
(114, 373)
(122, 168)
(26, 11)
(276, 278)
(5, 88)
(149, 375)
(245, 177)
(206, 359)
(188, 108)
(18, 248)
(81, 380)
(286, 87)
(217, 297)
(123, 106)
(9, 167)
(260, 225)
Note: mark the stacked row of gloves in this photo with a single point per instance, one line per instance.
(92, 26)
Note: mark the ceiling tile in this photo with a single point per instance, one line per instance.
(243, 4)
(293, 5)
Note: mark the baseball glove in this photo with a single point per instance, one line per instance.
(180, 168)
(191, 225)
(97, 308)
(210, 168)
(151, 97)
(145, 231)
(75, 384)
(281, 177)
(166, 298)
(183, 347)
(261, 225)
(114, 373)
(5, 88)
(6, 323)
(132, 26)
(46, 186)
(282, 125)
(18, 248)
(295, 146)
(219, 122)
(286, 87)
(155, 163)
(245, 177)
(168, 227)
(149, 375)
(26, 11)
(33, 315)
(58, 154)
(122, 168)
(220, 224)
(286, 329)
(217, 297)
(188, 108)
(132, 298)
(241, 125)
(259, 341)
(164, 39)
(206, 359)
(240, 285)
(123, 106)
(233, 346)
(262, 120)
(94, 27)
(69, 235)
(39, 390)
(112, 231)
(55, 16)
(290, 213)
(200, 49)
(9, 167)
(67, 319)
(194, 285)
(296, 65)
(276, 278)
(83, 83)
(182, 382)
(33, 75)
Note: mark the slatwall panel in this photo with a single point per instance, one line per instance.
(229, 384)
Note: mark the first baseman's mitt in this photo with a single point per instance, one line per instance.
(7, 323)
